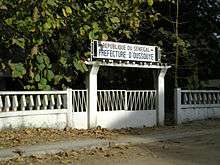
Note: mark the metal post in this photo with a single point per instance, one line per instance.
(161, 93)
(92, 96)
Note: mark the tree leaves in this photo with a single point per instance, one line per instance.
(150, 2)
(52, 38)
(115, 20)
(18, 70)
(19, 42)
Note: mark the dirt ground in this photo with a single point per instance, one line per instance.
(31, 136)
(201, 150)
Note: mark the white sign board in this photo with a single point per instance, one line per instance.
(124, 51)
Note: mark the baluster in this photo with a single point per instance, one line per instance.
(190, 98)
(195, 98)
(1, 104)
(38, 102)
(23, 102)
(52, 102)
(45, 102)
(31, 102)
(204, 98)
(14, 103)
(59, 102)
(7, 103)
(209, 98)
(200, 98)
(214, 98)
(185, 98)
(218, 98)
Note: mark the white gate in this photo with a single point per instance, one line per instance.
(126, 108)
(116, 108)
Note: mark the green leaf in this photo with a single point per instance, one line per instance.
(35, 14)
(104, 37)
(41, 67)
(9, 21)
(95, 26)
(64, 13)
(18, 70)
(37, 78)
(150, 2)
(46, 60)
(68, 10)
(43, 81)
(107, 5)
(115, 20)
(47, 88)
(63, 60)
(57, 79)
(40, 59)
(67, 78)
(93, 35)
(19, 41)
(84, 67)
(50, 75)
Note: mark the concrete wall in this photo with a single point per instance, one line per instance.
(191, 114)
(123, 119)
(44, 119)
(196, 105)
(59, 109)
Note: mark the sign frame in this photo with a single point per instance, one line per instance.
(108, 50)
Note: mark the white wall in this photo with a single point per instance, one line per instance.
(123, 119)
(191, 114)
(44, 119)
(196, 105)
(80, 120)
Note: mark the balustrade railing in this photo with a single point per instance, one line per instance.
(200, 98)
(32, 100)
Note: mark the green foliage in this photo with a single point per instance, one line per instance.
(46, 41)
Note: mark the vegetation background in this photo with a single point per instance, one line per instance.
(43, 43)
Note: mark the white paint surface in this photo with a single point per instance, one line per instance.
(123, 119)
(196, 107)
(33, 119)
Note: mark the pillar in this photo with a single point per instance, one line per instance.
(161, 95)
(92, 96)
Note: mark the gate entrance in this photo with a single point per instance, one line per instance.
(112, 54)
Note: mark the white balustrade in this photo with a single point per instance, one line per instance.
(200, 98)
(33, 100)
(196, 104)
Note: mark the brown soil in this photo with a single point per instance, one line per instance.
(201, 150)
(29, 136)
